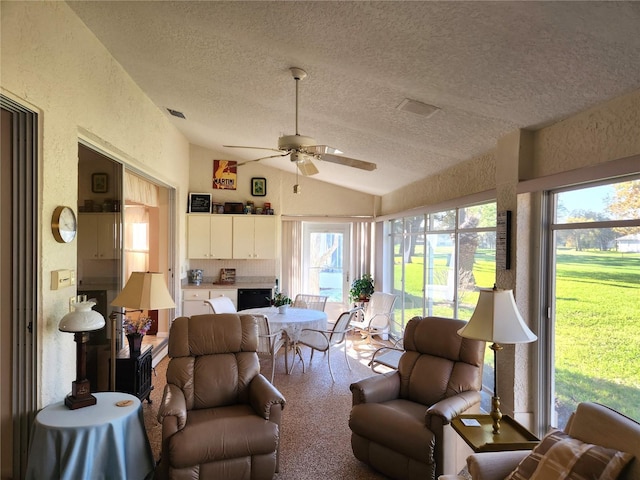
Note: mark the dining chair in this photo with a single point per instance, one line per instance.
(323, 340)
(270, 343)
(312, 302)
(377, 316)
(221, 304)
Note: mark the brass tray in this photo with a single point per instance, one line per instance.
(512, 436)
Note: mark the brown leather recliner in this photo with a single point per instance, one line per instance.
(220, 417)
(397, 418)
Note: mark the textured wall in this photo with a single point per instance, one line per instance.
(473, 176)
(607, 132)
(316, 198)
(54, 65)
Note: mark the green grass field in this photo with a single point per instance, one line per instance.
(597, 354)
(597, 331)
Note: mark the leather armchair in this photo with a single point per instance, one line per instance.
(220, 417)
(398, 418)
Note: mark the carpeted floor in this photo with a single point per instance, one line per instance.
(315, 434)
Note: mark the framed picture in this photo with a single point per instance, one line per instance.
(225, 174)
(258, 186)
(99, 183)
(199, 203)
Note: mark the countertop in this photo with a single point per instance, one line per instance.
(226, 286)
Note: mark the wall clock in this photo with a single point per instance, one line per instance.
(64, 224)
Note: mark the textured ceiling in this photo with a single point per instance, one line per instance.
(491, 67)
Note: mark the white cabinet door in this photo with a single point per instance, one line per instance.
(99, 235)
(209, 236)
(254, 237)
(243, 237)
(193, 299)
(198, 236)
(265, 237)
(221, 244)
(108, 235)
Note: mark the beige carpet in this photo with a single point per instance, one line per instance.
(315, 434)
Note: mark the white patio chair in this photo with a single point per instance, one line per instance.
(312, 302)
(270, 343)
(323, 340)
(221, 304)
(377, 315)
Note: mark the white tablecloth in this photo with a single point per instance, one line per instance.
(293, 321)
(102, 441)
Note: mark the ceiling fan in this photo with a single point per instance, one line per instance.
(303, 150)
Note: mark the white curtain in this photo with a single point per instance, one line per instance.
(362, 250)
(140, 191)
(291, 280)
(362, 253)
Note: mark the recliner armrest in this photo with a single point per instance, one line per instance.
(376, 389)
(263, 396)
(173, 404)
(451, 407)
(494, 465)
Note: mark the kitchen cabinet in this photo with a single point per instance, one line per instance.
(209, 236)
(99, 236)
(254, 237)
(193, 299)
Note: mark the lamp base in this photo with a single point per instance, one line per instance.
(80, 395)
(496, 414)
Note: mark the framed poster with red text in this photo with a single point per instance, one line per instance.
(225, 174)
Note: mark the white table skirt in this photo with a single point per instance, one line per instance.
(292, 322)
(102, 441)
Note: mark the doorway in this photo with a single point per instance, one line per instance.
(18, 284)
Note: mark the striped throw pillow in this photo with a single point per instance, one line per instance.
(561, 457)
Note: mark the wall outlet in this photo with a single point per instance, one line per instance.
(72, 302)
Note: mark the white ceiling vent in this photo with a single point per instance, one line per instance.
(419, 108)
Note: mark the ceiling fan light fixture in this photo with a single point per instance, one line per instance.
(419, 108)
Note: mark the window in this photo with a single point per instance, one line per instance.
(439, 262)
(594, 287)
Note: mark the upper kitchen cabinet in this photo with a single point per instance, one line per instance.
(209, 236)
(254, 237)
(99, 236)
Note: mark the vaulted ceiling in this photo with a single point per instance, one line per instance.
(489, 67)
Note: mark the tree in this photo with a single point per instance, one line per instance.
(626, 204)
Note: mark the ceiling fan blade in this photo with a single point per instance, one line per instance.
(253, 148)
(349, 162)
(282, 154)
(320, 149)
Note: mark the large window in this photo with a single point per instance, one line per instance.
(594, 287)
(440, 261)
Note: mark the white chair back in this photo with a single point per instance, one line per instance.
(221, 304)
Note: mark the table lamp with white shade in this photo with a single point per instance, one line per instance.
(496, 319)
(80, 322)
(143, 291)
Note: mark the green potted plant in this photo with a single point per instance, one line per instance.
(281, 301)
(362, 288)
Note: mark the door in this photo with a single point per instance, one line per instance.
(326, 261)
(18, 284)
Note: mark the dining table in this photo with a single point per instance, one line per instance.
(292, 322)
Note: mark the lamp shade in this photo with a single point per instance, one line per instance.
(145, 291)
(82, 319)
(496, 319)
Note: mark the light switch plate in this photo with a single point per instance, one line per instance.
(60, 279)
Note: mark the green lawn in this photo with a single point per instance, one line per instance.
(597, 354)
